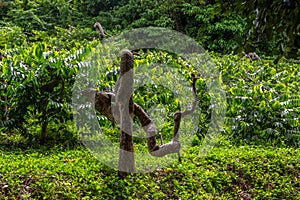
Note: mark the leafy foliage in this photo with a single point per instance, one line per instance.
(270, 21)
(214, 31)
(11, 36)
(221, 26)
(197, 19)
(41, 15)
(263, 100)
(263, 97)
(38, 83)
(226, 173)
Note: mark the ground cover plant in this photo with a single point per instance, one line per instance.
(228, 172)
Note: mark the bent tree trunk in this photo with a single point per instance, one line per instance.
(120, 108)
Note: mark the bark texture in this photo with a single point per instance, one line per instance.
(124, 110)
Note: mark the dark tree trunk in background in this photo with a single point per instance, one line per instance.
(3, 106)
(3, 98)
(44, 132)
(180, 21)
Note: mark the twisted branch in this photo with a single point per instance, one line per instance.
(103, 104)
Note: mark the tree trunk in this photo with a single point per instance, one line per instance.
(44, 132)
(3, 107)
(3, 98)
(124, 103)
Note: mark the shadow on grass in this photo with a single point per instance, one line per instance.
(16, 142)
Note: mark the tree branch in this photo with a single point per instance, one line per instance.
(179, 115)
(103, 104)
(100, 30)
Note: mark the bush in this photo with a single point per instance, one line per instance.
(38, 86)
(11, 36)
(263, 100)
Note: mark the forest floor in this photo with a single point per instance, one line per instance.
(227, 172)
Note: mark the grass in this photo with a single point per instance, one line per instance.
(227, 172)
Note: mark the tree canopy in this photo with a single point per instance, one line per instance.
(267, 27)
(277, 21)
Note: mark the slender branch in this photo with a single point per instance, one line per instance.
(100, 30)
(179, 115)
(190, 111)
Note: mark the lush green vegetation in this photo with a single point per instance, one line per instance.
(222, 26)
(263, 97)
(225, 173)
(45, 43)
(268, 21)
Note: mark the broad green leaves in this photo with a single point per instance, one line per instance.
(38, 86)
(263, 97)
(263, 100)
